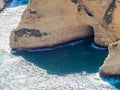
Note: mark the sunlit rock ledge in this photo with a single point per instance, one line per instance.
(46, 23)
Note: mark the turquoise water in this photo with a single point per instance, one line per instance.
(80, 56)
(68, 59)
(72, 66)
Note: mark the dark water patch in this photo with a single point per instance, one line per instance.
(15, 3)
(113, 80)
(68, 60)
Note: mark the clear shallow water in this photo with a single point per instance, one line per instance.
(73, 67)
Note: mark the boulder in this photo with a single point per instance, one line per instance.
(111, 66)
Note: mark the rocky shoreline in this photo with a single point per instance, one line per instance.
(52, 22)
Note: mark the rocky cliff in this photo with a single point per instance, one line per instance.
(51, 22)
(46, 23)
(111, 66)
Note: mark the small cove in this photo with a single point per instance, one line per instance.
(68, 59)
(73, 66)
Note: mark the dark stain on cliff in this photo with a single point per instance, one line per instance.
(109, 13)
(34, 14)
(85, 9)
(115, 45)
(32, 11)
(30, 32)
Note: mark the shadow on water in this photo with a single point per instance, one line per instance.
(68, 59)
(15, 3)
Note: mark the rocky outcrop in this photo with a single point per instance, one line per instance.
(111, 66)
(46, 23)
(2, 4)
(60, 21)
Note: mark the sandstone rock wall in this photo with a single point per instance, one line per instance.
(63, 21)
(59, 19)
(111, 66)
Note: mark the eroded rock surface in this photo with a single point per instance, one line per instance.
(57, 20)
(111, 66)
(46, 23)
(65, 20)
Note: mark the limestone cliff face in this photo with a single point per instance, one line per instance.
(46, 23)
(111, 66)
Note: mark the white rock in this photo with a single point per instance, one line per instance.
(2, 3)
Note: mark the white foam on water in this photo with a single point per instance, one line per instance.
(50, 48)
(97, 47)
(9, 20)
(19, 74)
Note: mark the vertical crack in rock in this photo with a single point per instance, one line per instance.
(109, 13)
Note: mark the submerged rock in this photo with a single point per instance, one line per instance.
(111, 66)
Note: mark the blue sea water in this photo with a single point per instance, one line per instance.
(71, 66)
(74, 57)
(15, 3)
